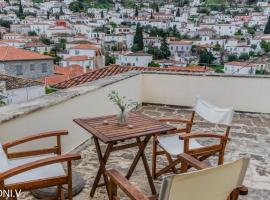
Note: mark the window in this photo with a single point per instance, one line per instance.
(77, 52)
(44, 68)
(19, 71)
(32, 67)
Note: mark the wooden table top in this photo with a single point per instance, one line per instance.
(142, 125)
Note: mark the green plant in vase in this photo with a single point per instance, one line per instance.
(125, 105)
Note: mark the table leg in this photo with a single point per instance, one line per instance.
(102, 169)
(148, 173)
(142, 145)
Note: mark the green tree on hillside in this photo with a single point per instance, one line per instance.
(138, 39)
(206, 57)
(164, 48)
(136, 14)
(267, 27)
(178, 13)
(157, 9)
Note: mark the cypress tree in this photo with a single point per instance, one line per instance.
(138, 39)
(136, 12)
(157, 9)
(20, 8)
(267, 27)
(178, 13)
(102, 14)
(164, 48)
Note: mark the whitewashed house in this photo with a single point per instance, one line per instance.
(243, 68)
(17, 90)
(134, 59)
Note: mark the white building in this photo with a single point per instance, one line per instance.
(243, 68)
(17, 90)
(134, 59)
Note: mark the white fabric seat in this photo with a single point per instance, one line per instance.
(174, 146)
(47, 171)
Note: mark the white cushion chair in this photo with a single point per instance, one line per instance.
(27, 170)
(175, 144)
(224, 182)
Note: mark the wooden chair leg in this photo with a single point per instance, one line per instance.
(154, 158)
(169, 158)
(221, 158)
(69, 166)
(60, 192)
(113, 191)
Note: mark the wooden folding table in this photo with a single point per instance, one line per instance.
(107, 130)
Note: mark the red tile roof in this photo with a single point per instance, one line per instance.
(115, 69)
(77, 58)
(71, 70)
(8, 53)
(85, 46)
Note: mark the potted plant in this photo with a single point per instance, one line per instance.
(125, 105)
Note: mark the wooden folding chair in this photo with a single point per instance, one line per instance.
(216, 183)
(28, 170)
(173, 144)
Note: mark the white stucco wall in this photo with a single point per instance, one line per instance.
(25, 94)
(60, 116)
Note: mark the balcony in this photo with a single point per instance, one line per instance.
(161, 94)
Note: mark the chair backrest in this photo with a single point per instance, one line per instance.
(208, 184)
(212, 113)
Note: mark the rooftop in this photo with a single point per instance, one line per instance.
(16, 82)
(250, 136)
(8, 53)
(155, 91)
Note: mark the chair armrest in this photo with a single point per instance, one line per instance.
(192, 161)
(34, 137)
(37, 164)
(175, 120)
(201, 135)
(121, 181)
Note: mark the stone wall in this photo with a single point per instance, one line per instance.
(10, 68)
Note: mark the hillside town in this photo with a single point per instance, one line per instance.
(51, 42)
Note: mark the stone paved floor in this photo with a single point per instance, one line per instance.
(250, 137)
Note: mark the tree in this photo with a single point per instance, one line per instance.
(20, 8)
(32, 33)
(267, 27)
(164, 48)
(157, 54)
(265, 46)
(109, 59)
(48, 14)
(244, 56)
(61, 11)
(136, 14)
(217, 47)
(153, 64)
(178, 13)
(45, 40)
(5, 23)
(157, 9)
(232, 57)
(76, 6)
(138, 39)
(206, 57)
(102, 14)
(151, 16)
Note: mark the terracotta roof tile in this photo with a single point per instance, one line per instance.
(8, 53)
(13, 82)
(115, 69)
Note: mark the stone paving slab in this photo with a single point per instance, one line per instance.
(250, 136)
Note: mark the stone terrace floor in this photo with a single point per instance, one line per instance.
(250, 136)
